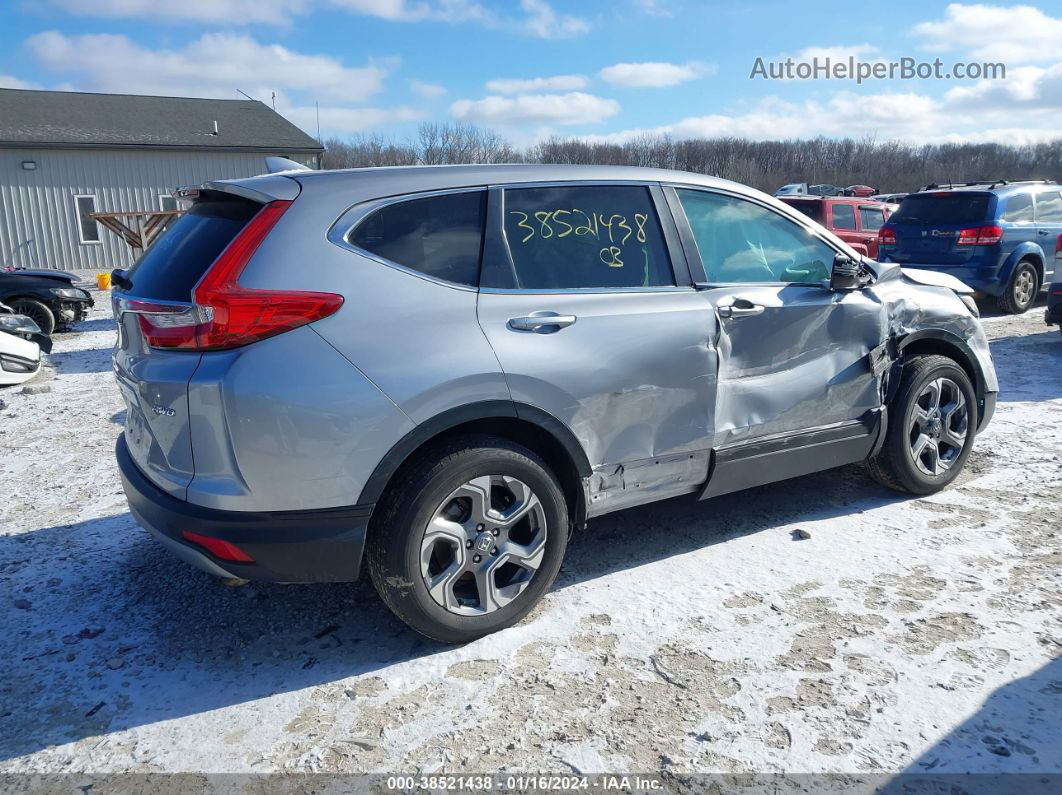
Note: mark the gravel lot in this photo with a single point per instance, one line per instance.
(904, 634)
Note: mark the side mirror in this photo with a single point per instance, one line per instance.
(120, 277)
(844, 275)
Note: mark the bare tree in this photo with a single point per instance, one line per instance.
(886, 165)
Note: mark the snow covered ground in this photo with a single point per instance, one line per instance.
(905, 634)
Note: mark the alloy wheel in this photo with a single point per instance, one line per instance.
(483, 545)
(938, 426)
(1024, 287)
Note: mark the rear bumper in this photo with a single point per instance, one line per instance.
(286, 546)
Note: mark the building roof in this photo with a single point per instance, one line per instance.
(68, 119)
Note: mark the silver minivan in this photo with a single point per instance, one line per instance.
(451, 369)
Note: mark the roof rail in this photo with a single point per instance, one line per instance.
(992, 183)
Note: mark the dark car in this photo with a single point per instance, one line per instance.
(1000, 238)
(50, 303)
(1053, 312)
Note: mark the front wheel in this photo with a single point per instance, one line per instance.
(469, 539)
(36, 311)
(932, 423)
(1021, 289)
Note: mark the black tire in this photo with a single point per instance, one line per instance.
(1017, 299)
(38, 312)
(393, 547)
(894, 465)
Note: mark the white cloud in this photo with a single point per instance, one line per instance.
(427, 90)
(231, 12)
(10, 81)
(214, 65)
(653, 8)
(654, 74)
(537, 17)
(1014, 34)
(345, 121)
(1027, 87)
(417, 10)
(537, 84)
(541, 20)
(842, 52)
(903, 116)
(571, 108)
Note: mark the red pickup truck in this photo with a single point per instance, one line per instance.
(856, 221)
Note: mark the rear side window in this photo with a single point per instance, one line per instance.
(1049, 207)
(872, 218)
(942, 208)
(844, 216)
(585, 237)
(439, 236)
(170, 268)
(1018, 209)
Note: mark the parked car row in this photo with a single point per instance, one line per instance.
(33, 305)
(1001, 237)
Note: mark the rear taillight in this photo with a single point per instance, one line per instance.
(980, 236)
(225, 315)
(886, 238)
(225, 550)
(1058, 248)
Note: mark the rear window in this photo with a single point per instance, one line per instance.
(812, 209)
(170, 268)
(942, 208)
(439, 236)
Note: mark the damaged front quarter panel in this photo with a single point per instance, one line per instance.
(925, 313)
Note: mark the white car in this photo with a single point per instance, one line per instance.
(21, 343)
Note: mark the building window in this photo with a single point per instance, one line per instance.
(167, 202)
(88, 230)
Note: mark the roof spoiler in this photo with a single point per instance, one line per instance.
(277, 165)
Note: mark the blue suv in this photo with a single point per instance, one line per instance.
(999, 237)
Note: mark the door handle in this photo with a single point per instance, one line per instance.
(541, 322)
(740, 311)
(1043, 232)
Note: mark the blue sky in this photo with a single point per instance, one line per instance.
(534, 68)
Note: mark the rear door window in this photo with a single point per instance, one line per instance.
(592, 236)
(872, 218)
(843, 216)
(1018, 209)
(174, 263)
(1049, 208)
(929, 209)
(439, 236)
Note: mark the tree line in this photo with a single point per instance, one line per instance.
(889, 166)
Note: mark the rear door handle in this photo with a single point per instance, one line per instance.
(740, 311)
(541, 322)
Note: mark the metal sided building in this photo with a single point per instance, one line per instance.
(64, 155)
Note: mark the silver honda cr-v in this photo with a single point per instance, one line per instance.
(453, 368)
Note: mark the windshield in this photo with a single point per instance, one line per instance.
(942, 208)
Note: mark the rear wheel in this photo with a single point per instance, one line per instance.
(36, 311)
(1021, 290)
(469, 540)
(932, 423)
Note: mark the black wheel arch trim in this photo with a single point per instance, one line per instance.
(969, 359)
(451, 418)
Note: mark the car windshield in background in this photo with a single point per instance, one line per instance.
(942, 208)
